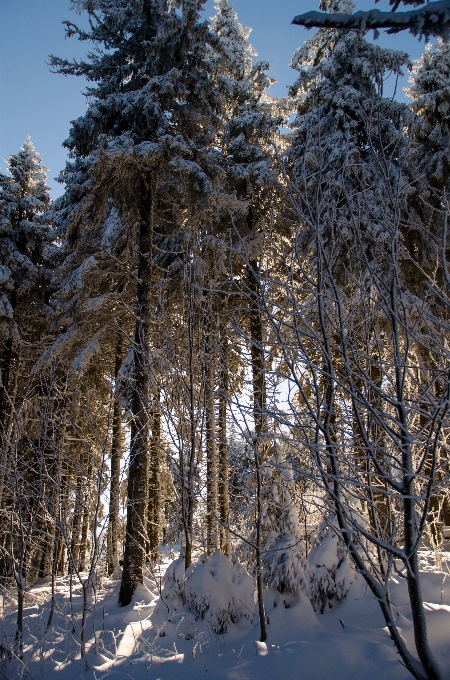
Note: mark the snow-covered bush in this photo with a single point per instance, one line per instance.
(330, 568)
(285, 566)
(283, 553)
(172, 596)
(212, 590)
(219, 592)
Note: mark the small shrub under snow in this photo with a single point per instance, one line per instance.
(331, 570)
(212, 589)
(219, 592)
(172, 596)
(285, 566)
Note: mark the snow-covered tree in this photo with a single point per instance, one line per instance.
(146, 147)
(212, 592)
(24, 195)
(331, 570)
(349, 327)
(283, 550)
(333, 149)
(248, 142)
(430, 93)
(426, 242)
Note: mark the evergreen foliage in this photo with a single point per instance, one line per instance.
(24, 195)
(231, 339)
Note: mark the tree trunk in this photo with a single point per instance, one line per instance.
(259, 577)
(187, 471)
(257, 352)
(114, 489)
(83, 540)
(76, 525)
(260, 420)
(61, 556)
(6, 367)
(134, 555)
(224, 501)
(211, 451)
(8, 391)
(154, 491)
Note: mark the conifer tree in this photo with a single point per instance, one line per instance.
(247, 144)
(426, 243)
(430, 93)
(146, 140)
(349, 164)
(23, 196)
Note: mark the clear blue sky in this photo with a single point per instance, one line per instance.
(36, 102)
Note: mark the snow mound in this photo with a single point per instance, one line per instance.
(172, 596)
(212, 590)
(220, 592)
(331, 570)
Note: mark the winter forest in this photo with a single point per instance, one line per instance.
(225, 362)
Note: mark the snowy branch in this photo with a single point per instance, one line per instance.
(431, 20)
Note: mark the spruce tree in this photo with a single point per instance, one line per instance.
(349, 159)
(250, 133)
(426, 245)
(145, 143)
(24, 195)
(430, 93)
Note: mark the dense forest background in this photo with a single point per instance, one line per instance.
(230, 333)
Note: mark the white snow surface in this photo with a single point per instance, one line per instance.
(348, 642)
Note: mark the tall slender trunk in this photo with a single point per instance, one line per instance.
(187, 471)
(134, 555)
(76, 523)
(114, 489)
(8, 393)
(54, 476)
(60, 565)
(260, 420)
(224, 501)
(5, 376)
(80, 563)
(410, 539)
(259, 576)
(211, 453)
(154, 491)
(257, 352)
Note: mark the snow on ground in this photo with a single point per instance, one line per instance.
(348, 642)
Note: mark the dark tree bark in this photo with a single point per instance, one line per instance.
(8, 359)
(76, 525)
(224, 501)
(188, 467)
(257, 352)
(154, 490)
(116, 457)
(260, 420)
(136, 528)
(211, 448)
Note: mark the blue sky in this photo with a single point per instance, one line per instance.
(36, 102)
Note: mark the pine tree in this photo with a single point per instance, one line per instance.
(349, 165)
(23, 196)
(247, 143)
(147, 138)
(425, 245)
(430, 93)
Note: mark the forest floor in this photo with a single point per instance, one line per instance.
(349, 642)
